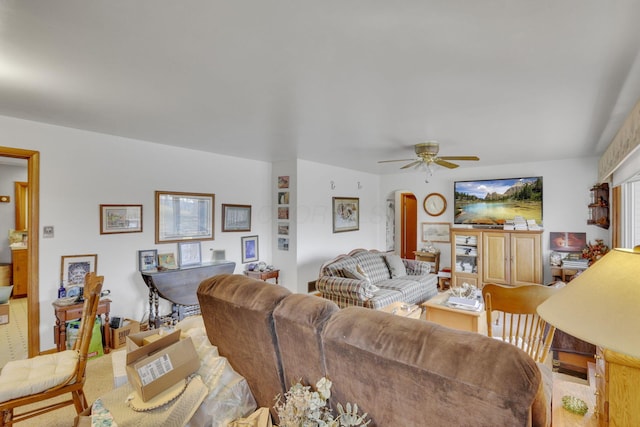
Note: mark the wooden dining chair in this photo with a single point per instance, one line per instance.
(514, 307)
(41, 378)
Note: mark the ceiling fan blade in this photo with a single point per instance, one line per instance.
(414, 163)
(400, 160)
(444, 163)
(459, 158)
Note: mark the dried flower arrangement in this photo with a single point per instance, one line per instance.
(302, 407)
(595, 251)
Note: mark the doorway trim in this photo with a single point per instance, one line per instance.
(33, 291)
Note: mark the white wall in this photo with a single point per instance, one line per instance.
(81, 170)
(566, 185)
(316, 241)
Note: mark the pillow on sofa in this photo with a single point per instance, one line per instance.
(396, 266)
(358, 273)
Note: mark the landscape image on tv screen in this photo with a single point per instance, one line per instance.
(495, 201)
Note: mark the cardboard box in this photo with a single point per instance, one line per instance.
(119, 336)
(154, 367)
(83, 419)
(4, 314)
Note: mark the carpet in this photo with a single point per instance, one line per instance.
(14, 335)
(99, 381)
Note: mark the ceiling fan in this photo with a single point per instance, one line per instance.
(427, 153)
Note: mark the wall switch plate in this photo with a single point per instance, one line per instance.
(47, 231)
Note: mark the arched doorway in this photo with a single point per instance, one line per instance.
(402, 223)
(33, 292)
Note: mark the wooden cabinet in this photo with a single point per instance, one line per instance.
(512, 258)
(20, 272)
(497, 256)
(617, 384)
(599, 206)
(466, 256)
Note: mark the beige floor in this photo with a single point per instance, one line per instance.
(14, 335)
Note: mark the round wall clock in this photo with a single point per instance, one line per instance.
(435, 204)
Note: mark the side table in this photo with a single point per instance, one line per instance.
(65, 313)
(264, 275)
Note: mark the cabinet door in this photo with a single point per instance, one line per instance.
(496, 266)
(466, 257)
(526, 259)
(19, 260)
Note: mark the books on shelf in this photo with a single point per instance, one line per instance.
(575, 263)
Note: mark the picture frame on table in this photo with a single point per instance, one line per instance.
(73, 268)
(189, 253)
(167, 261)
(184, 216)
(250, 249)
(120, 219)
(236, 217)
(346, 214)
(148, 260)
(436, 232)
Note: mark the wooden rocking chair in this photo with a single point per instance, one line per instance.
(521, 325)
(29, 381)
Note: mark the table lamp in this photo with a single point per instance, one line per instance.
(601, 305)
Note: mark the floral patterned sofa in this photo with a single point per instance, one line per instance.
(373, 279)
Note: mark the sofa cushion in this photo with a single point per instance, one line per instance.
(298, 321)
(234, 302)
(373, 263)
(462, 378)
(396, 266)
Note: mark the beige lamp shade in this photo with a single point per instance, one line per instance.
(601, 305)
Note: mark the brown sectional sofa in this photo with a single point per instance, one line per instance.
(400, 371)
(410, 281)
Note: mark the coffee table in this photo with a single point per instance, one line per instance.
(414, 311)
(465, 320)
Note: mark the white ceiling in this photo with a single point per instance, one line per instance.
(342, 82)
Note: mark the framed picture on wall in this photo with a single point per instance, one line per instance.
(436, 231)
(236, 217)
(346, 214)
(249, 249)
(73, 268)
(120, 219)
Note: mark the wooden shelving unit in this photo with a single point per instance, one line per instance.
(599, 206)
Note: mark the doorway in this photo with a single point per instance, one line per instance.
(408, 225)
(33, 215)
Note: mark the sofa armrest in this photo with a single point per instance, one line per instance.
(347, 288)
(416, 268)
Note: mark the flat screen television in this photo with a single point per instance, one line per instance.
(492, 202)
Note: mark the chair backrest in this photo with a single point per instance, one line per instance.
(521, 325)
(92, 290)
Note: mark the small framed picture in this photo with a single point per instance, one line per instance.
(283, 197)
(283, 212)
(73, 268)
(148, 260)
(283, 243)
(283, 182)
(236, 217)
(283, 228)
(249, 249)
(167, 261)
(120, 219)
(189, 253)
(436, 231)
(346, 214)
